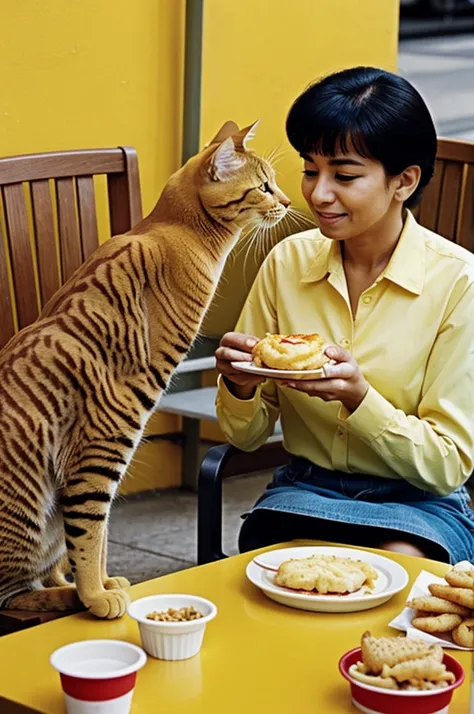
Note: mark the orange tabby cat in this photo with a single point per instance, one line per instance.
(78, 385)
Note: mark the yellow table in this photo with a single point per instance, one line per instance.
(258, 657)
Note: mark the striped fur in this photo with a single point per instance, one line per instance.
(78, 385)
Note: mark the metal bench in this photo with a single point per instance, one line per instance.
(193, 405)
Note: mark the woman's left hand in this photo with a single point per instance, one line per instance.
(344, 382)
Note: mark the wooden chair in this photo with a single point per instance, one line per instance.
(48, 227)
(447, 207)
(48, 222)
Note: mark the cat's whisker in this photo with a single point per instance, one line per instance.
(277, 154)
(268, 157)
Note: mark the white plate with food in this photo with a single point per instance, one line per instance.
(252, 368)
(327, 578)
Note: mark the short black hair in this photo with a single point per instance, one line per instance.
(378, 114)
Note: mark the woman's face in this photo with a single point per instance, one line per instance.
(348, 194)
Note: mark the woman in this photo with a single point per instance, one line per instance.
(381, 447)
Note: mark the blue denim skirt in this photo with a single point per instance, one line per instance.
(303, 488)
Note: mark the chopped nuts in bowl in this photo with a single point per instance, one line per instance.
(172, 626)
(184, 614)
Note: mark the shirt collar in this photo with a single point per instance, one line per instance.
(406, 267)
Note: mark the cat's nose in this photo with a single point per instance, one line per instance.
(285, 201)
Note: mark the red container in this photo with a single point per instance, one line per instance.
(374, 700)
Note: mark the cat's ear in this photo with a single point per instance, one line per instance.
(229, 128)
(224, 161)
(242, 137)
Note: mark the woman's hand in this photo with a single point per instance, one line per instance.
(344, 381)
(237, 347)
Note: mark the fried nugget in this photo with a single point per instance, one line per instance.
(438, 605)
(380, 651)
(426, 668)
(437, 623)
(460, 578)
(461, 596)
(463, 634)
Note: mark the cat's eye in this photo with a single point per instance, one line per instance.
(265, 187)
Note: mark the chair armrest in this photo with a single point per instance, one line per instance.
(221, 462)
(210, 503)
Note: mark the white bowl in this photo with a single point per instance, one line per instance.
(171, 640)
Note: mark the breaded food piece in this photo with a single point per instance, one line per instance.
(401, 663)
(425, 668)
(380, 651)
(463, 635)
(325, 574)
(460, 578)
(414, 685)
(372, 679)
(430, 603)
(461, 596)
(437, 623)
(292, 352)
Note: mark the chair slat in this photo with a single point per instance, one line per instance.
(43, 217)
(87, 215)
(456, 150)
(124, 195)
(21, 255)
(7, 325)
(71, 250)
(465, 227)
(58, 164)
(449, 202)
(429, 206)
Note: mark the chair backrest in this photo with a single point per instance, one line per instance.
(48, 222)
(447, 206)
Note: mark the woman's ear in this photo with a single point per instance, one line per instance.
(407, 183)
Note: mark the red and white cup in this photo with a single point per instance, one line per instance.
(98, 676)
(374, 700)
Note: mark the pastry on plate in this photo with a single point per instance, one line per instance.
(325, 574)
(291, 352)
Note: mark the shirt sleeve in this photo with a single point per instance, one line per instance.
(433, 449)
(247, 423)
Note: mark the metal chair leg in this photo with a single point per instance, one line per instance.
(210, 503)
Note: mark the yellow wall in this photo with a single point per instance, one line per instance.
(258, 56)
(93, 73)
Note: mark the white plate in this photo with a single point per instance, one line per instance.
(392, 578)
(252, 368)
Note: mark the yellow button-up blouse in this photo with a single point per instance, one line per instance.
(413, 338)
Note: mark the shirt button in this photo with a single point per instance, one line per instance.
(367, 299)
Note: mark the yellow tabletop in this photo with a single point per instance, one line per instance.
(257, 656)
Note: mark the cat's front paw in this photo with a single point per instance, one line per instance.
(116, 583)
(110, 604)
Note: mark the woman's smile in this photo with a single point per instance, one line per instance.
(329, 219)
